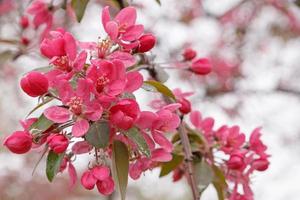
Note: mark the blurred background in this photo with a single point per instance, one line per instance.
(255, 49)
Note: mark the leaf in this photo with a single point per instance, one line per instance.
(79, 7)
(161, 74)
(219, 182)
(41, 125)
(157, 86)
(120, 166)
(45, 101)
(98, 134)
(297, 2)
(204, 175)
(167, 167)
(135, 135)
(53, 164)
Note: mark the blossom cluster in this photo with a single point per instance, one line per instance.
(91, 86)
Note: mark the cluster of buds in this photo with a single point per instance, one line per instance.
(94, 111)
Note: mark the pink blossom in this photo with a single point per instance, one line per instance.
(19, 142)
(124, 113)
(122, 28)
(57, 142)
(108, 77)
(34, 84)
(106, 187)
(81, 147)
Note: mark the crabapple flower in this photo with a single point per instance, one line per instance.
(34, 84)
(201, 66)
(19, 142)
(124, 113)
(58, 143)
(122, 28)
(41, 14)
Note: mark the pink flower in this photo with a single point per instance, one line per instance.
(181, 98)
(41, 13)
(255, 143)
(34, 84)
(58, 143)
(122, 28)
(201, 66)
(108, 77)
(189, 54)
(100, 176)
(124, 113)
(146, 43)
(260, 164)
(19, 142)
(236, 161)
(79, 105)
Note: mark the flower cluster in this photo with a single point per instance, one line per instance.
(91, 85)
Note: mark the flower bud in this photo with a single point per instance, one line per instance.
(25, 41)
(19, 142)
(201, 66)
(24, 22)
(189, 54)
(235, 162)
(260, 164)
(106, 187)
(185, 106)
(34, 84)
(58, 143)
(88, 180)
(147, 42)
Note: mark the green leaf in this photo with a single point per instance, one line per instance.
(167, 167)
(98, 134)
(219, 182)
(297, 2)
(159, 87)
(79, 7)
(120, 166)
(41, 125)
(53, 164)
(135, 135)
(204, 175)
(44, 102)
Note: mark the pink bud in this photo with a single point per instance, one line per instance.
(189, 54)
(34, 84)
(24, 22)
(25, 41)
(106, 187)
(147, 42)
(88, 180)
(201, 66)
(235, 162)
(101, 172)
(185, 106)
(19, 142)
(58, 143)
(177, 174)
(260, 164)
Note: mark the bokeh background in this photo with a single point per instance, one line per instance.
(255, 49)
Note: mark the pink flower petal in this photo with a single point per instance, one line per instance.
(126, 16)
(70, 46)
(81, 147)
(196, 118)
(133, 33)
(112, 29)
(134, 81)
(72, 175)
(101, 172)
(57, 114)
(105, 16)
(80, 128)
(160, 139)
(126, 58)
(160, 155)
